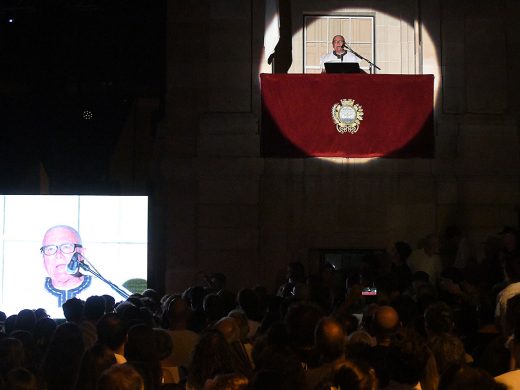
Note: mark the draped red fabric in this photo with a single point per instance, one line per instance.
(297, 115)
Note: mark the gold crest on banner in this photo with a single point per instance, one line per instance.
(347, 116)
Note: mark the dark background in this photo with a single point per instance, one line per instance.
(58, 60)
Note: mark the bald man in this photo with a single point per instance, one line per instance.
(329, 342)
(385, 325)
(330, 339)
(338, 54)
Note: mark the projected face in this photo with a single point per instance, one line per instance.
(58, 246)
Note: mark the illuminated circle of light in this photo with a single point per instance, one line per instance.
(432, 66)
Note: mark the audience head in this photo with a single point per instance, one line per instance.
(163, 342)
(94, 308)
(73, 310)
(26, 320)
(355, 375)
(111, 331)
(120, 377)
(385, 324)
(20, 379)
(463, 378)
(43, 332)
(330, 339)
(278, 367)
(361, 337)
(153, 295)
(40, 313)
(227, 382)
(63, 355)
(141, 351)
(241, 319)
(10, 323)
(129, 313)
(110, 303)
(93, 362)
(141, 344)
(11, 355)
(349, 322)
(195, 296)
(229, 328)
(212, 355)
(359, 346)
(135, 299)
(410, 361)
(448, 351)
(31, 351)
(178, 313)
(301, 321)
(438, 318)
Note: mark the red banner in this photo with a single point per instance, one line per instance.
(297, 118)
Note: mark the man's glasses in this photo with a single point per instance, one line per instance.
(66, 248)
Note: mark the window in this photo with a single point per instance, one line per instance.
(319, 30)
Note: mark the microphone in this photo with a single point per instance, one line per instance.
(73, 266)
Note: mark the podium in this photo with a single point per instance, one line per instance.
(396, 120)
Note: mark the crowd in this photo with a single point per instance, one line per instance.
(437, 317)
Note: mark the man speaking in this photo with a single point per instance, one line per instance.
(338, 54)
(62, 252)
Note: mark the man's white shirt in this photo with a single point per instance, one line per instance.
(331, 57)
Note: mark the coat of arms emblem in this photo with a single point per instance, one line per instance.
(347, 116)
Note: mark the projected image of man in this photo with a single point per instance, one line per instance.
(69, 276)
(60, 245)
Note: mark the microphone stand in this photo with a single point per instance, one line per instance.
(84, 266)
(361, 57)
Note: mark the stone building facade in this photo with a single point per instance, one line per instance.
(221, 206)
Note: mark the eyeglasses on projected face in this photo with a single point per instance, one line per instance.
(66, 248)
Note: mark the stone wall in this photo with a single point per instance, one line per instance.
(225, 208)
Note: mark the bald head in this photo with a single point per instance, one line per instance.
(229, 328)
(386, 323)
(61, 230)
(330, 339)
